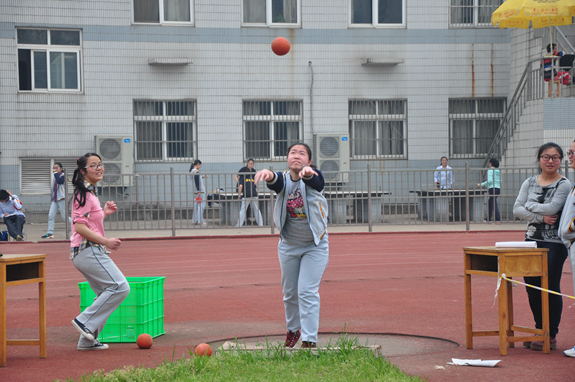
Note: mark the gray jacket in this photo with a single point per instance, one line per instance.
(313, 199)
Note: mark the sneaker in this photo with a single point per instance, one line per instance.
(291, 338)
(48, 236)
(83, 329)
(538, 345)
(19, 238)
(308, 345)
(570, 352)
(96, 346)
(204, 225)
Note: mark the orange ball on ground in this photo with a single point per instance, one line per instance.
(203, 349)
(144, 341)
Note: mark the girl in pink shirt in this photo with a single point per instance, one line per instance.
(89, 252)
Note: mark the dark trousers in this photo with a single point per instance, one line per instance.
(493, 192)
(15, 224)
(555, 258)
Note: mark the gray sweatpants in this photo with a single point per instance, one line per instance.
(109, 284)
(54, 207)
(303, 265)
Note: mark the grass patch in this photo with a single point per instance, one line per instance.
(343, 361)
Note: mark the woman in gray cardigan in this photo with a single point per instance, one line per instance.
(540, 202)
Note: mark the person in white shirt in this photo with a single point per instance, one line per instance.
(443, 178)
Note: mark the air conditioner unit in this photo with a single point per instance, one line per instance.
(332, 154)
(117, 154)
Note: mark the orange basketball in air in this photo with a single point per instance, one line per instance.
(280, 46)
(203, 350)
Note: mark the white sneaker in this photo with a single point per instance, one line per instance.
(570, 352)
(204, 225)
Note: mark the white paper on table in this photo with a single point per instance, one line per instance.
(474, 362)
(516, 244)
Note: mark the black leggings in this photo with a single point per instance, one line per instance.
(555, 259)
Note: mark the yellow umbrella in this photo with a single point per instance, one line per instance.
(541, 13)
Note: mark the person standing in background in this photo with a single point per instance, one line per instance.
(248, 193)
(57, 195)
(443, 178)
(493, 184)
(199, 191)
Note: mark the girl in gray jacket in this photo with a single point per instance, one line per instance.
(301, 216)
(540, 202)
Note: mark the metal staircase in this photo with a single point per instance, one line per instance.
(529, 88)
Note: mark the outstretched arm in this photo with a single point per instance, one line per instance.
(265, 175)
(314, 179)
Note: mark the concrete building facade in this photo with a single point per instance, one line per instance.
(186, 79)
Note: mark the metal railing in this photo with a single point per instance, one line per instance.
(530, 87)
(370, 197)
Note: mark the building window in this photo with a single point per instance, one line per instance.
(377, 129)
(472, 13)
(473, 124)
(271, 12)
(165, 130)
(49, 60)
(163, 11)
(385, 13)
(270, 127)
(37, 178)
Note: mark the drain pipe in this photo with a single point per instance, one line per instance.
(311, 101)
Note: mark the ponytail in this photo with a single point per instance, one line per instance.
(78, 181)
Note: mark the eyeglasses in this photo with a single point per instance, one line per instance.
(546, 158)
(96, 166)
(570, 152)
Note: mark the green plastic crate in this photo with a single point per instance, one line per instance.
(141, 312)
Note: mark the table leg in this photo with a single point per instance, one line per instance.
(2, 315)
(468, 308)
(509, 332)
(42, 308)
(501, 294)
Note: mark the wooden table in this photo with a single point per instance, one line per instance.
(19, 270)
(513, 262)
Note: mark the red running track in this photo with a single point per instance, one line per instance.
(223, 287)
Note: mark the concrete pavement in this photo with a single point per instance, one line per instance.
(34, 231)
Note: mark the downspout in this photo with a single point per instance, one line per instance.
(311, 101)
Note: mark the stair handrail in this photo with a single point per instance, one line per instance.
(563, 43)
(507, 118)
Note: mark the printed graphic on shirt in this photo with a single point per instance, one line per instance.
(295, 207)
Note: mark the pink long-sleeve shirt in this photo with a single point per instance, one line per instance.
(90, 214)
